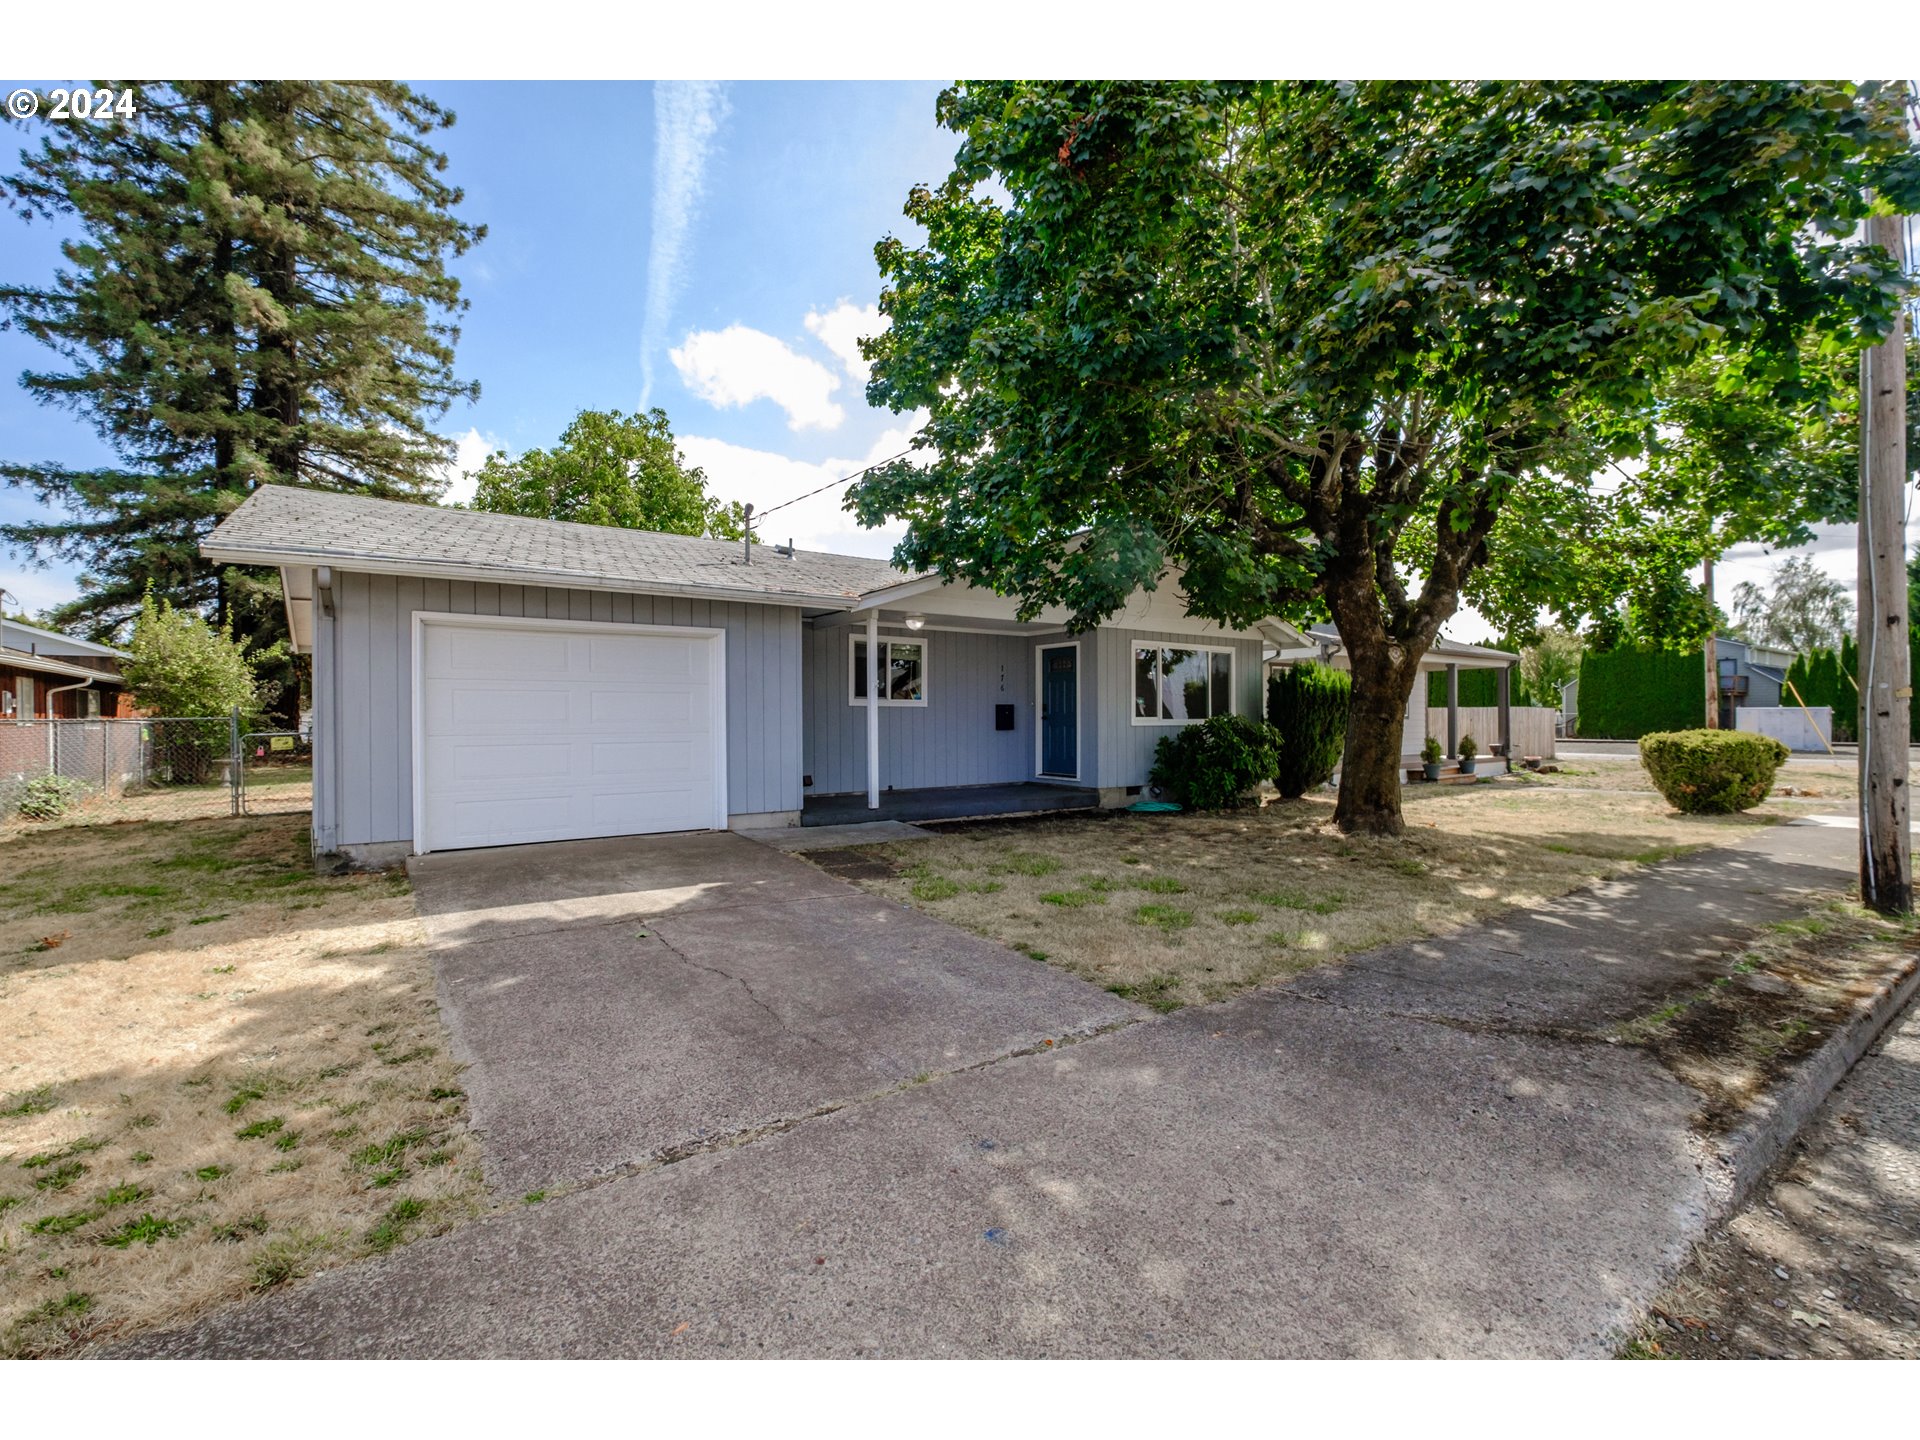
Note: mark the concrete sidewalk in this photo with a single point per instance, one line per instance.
(1426, 1153)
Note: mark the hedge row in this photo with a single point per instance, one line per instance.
(1627, 693)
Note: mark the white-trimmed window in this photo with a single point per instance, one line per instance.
(903, 672)
(1180, 684)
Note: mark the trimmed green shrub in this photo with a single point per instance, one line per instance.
(1712, 772)
(1210, 766)
(1307, 704)
(1627, 693)
(48, 797)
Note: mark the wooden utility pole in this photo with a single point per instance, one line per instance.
(1886, 688)
(1711, 656)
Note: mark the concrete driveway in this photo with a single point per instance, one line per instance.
(619, 1001)
(1384, 1161)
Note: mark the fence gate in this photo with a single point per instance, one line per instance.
(274, 773)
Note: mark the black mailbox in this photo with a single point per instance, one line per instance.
(1003, 717)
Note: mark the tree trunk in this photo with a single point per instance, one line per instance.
(1369, 802)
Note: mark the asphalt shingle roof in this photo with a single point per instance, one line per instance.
(292, 526)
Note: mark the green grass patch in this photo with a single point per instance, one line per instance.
(1161, 885)
(149, 1229)
(1022, 862)
(260, 1129)
(1072, 899)
(1155, 992)
(85, 1145)
(1166, 917)
(63, 1224)
(212, 1172)
(1301, 900)
(37, 1101)
(245, 1228)
(124, 1195)
(60, 1176)
(392, 1228)
(935, 887)
(1237, 917)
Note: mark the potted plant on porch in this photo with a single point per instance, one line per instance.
(1469, 748)
(1430, 754)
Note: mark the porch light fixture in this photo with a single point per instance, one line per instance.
(916, 622)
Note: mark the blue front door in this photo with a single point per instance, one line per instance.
(1060, 710)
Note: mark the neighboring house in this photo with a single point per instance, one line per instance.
(1750, 675)
(45, 675)
(486, 679)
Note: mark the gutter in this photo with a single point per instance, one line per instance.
(505, 575)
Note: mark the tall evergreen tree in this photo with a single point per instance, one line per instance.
(258, 294)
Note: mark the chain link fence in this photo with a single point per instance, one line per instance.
(100, 771)
(276, 772)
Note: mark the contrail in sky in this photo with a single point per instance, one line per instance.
(687, 115)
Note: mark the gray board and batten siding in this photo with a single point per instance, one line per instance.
(1124, 749)
(949, 741)
(363, 690)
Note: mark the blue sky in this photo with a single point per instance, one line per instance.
(707, 246)
(718, 238)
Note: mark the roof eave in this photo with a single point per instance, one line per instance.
(507, 575)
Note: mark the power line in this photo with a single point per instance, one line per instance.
(761, 514)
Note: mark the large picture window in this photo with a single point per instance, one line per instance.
(903, 672)
(1177, 685)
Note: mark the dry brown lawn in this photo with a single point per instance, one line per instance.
(1183, 909)
(218, 1072)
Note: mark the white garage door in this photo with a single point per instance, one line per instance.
(566, 732)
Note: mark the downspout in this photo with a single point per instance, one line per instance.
(52, 765)
(873, 709)
(328, 713)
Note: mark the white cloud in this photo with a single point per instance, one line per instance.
(765, 479)
(687, 115)
(470, 453)
(842, 328)
(739, 365)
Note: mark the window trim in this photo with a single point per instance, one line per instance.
(1137, 643)
(856, 640)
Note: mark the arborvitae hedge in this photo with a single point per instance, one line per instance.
(1627, 693)
(1308, 705)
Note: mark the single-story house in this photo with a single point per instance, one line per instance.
(45, 675)
(486, 679)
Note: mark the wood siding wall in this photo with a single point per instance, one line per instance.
(948, 741)
(363, 691)
(1125, 750)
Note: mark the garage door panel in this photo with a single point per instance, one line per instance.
(487, 652)
(617, 812)
(678, 710)
(471, 763)
(657, 658)
(536, 734)
(498, 707)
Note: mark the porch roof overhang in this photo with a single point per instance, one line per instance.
(1323, 643)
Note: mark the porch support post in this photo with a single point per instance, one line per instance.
(873, 709)
(1506, 713)
(1453, 712)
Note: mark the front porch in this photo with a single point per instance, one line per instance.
(947, 802)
